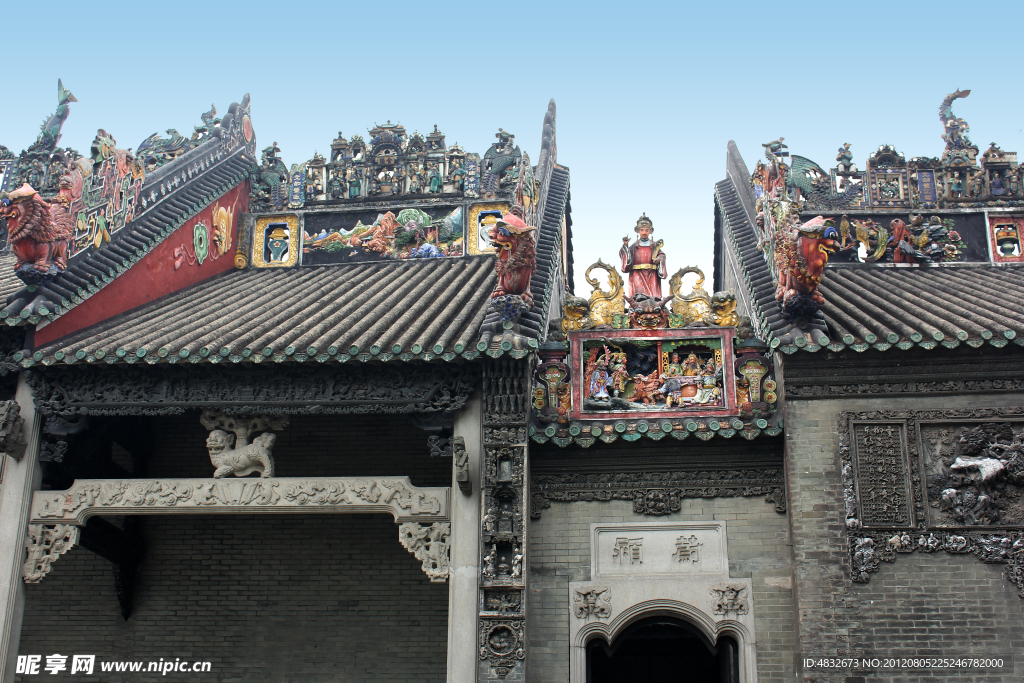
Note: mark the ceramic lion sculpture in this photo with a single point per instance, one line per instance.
(253, 457)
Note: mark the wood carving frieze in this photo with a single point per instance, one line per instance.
(395, 495)
(411, 388)
(935, 480)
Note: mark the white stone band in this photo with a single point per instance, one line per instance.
(275, 495)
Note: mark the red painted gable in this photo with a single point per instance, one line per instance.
(155, 275)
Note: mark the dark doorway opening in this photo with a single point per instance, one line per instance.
(659, 649)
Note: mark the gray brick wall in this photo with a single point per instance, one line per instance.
(264, 598)
(758, 550)
(920, 605)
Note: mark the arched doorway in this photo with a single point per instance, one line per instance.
(658, 649)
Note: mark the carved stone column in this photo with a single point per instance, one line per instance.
(20, 479)
(504, 499)
(464, 572)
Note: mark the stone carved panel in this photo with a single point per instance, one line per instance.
(165, 390)
(730, 597)
(966, 496)
(44, 544)
(88, 497)
(592, 602)
(670, 550)
(502, 644)
(429, 545)
(503, 600)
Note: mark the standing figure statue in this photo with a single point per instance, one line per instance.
(643, 260)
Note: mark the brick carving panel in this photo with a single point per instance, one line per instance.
(883, 477)
(949, 481)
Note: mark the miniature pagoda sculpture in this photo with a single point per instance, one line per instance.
(39, 232)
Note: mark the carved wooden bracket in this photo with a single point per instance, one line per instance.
(44, 545)
(275, 495)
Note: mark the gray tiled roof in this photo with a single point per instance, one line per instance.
(869, 305)
(172, 194)
(422, 309)
(9, 282)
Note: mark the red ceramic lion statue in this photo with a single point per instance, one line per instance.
(802, 264)
(517, 255)
(40, 232)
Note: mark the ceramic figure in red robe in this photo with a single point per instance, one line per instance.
(644, 260)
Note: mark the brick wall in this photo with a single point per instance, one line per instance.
(758, 550)
(920, 605)
(264, 598)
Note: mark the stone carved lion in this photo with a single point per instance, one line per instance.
(253, 457)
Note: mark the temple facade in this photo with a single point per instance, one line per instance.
(348, 420)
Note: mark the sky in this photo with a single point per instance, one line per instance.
(648, 94)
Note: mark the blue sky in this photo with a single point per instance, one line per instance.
(648, 94)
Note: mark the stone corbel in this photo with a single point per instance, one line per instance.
(461, 457)
(44, 545)
(12, 424)
(429, 545)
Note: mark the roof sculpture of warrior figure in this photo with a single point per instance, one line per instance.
(644, 260)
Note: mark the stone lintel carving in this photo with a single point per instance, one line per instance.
(501, 644)
(382, 389)
(461, 456)
(429, 545)
(234, 454)
(592, 602)
(730, 597)
(12, 425)
(327, 495)
(45, 543)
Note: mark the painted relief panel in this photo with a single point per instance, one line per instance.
(926, 237)
(400, 233)
(276, 241)
(653, 373)
(482, 218)
(1004, 233)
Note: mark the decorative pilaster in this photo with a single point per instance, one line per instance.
(505, 497)
(20, 479)
(44, 545)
